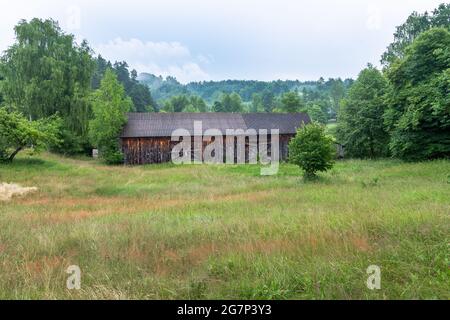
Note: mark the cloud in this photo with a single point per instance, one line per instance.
(160, 58)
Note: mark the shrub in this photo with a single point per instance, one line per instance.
(312, 150)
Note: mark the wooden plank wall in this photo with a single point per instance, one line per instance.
(158, 149)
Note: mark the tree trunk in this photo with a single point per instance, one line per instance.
(13, 155)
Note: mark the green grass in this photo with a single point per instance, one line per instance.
(203, 231)
(331, 128)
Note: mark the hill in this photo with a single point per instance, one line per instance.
(164, 88)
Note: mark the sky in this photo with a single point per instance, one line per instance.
(196, 40)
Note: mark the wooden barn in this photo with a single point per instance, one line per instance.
(146, 138)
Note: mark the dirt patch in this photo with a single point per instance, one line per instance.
(9, 190)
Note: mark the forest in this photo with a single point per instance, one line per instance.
(255, 96)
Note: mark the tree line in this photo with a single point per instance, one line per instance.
(404, 110)
(319, 98)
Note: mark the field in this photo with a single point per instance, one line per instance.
(193, 232)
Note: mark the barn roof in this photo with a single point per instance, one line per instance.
(141, 125)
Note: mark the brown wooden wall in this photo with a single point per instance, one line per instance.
(158, 149)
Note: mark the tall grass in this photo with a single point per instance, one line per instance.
(165, 231)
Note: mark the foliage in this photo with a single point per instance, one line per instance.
(316, 113)
(198, 104)
(1, 95)
(18, 133)
(110, 105)
(361, 128)
(138, 92)
(268, 100)
(337, 93)
(412, 28)
(163, 89)
(184, 103)
(101, 65)
(312, 150)
(291, 102)
(261, 95)
(142, 99)
(229, 103)
(419, 102)
(176, 104)
(45, 72)
(408, 115)
(210, 91)
(257, 103)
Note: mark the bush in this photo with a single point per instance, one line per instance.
(312, 150)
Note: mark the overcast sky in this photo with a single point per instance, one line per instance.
(197, 40)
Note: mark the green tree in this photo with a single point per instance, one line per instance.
(110, 105)
(418, 116)
(1, 95)
(412, 28)
(167, 107)
(18, 133)
(101, 65)
(268, 100)
(257, 103)
(123, 74)
(142, 99)
(176, 103)
(228, 103)
(198, 104)
(337, 93)
(291, 102)
(184, 103)
(190, 108)
(217, 107)
(236, 103)
(316, 113)
(360, 122)
(312, 150)
(45, 72)
(138, 92)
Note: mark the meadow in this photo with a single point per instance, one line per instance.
(219, 232)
